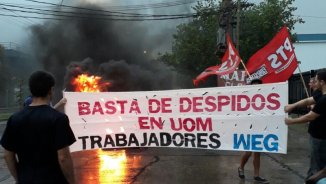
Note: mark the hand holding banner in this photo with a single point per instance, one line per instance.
(242, 118)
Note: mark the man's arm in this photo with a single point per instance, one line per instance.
(60, 103)
(66, 164)
(319, 175)
(10, 158)
(302, 119)
(302, 103)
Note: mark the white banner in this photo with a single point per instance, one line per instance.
(239, 118)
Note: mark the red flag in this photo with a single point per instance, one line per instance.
(276, 61)
(230, 62)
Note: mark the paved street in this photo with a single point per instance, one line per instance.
(190, 166)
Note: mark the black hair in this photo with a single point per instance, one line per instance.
(256, 81)
(40, 83)
(321, 75)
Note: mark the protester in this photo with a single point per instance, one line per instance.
(317, 125)
(36, 139)
(28, 101)
(312, 85)
(314, 90)
(256, 158)
(61, 102)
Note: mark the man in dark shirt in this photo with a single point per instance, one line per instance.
(316, 94)
(317, 125)
(39, 136)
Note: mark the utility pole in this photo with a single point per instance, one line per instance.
(226, 22)
(238, 25)
(225, 14)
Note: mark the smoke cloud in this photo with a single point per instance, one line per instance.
(119, 51)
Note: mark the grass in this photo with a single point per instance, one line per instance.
(4, 116)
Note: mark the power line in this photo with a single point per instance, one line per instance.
(104, 19)
(130, 7)
(171, 3)
(87, 9)
(28, 21)
(95, 17)
(46, 18)
(87, 14)
(149, 6)
(311, 16)
(175, 3)
(82, 15)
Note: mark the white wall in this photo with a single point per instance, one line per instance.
(311, 54)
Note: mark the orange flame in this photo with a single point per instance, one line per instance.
(112, 166)
(85, 83)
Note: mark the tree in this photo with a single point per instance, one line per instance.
(261, 22)
(195, 42)
(3, 75)
(2, 67)
(2, 50)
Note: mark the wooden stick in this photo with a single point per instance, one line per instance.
(302, 80)
(244, 66)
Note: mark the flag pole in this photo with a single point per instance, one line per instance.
(302, 80)
(244, 66)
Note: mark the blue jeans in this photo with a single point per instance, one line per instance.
(317, 155)
(322, 181)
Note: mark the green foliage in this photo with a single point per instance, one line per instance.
(195, 42)
(1, 51)
(2, 68)
(5, 116)
(193, 46)
(261, 22)
(19, 92)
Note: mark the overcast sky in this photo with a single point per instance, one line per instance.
(313, 12)
(16, 29)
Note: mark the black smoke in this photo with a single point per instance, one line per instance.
(119, 51)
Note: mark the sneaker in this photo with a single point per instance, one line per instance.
(241, 173)
(260, 179)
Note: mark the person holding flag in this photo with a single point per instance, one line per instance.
(317, 125)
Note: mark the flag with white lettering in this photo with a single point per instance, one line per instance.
(276, 61)
(237, 78)
(230, 62)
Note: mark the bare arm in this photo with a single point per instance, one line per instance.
(319, 175)
(60, 103)
(10, 158)
(66, 164)
(302, 119)
(302, 103)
